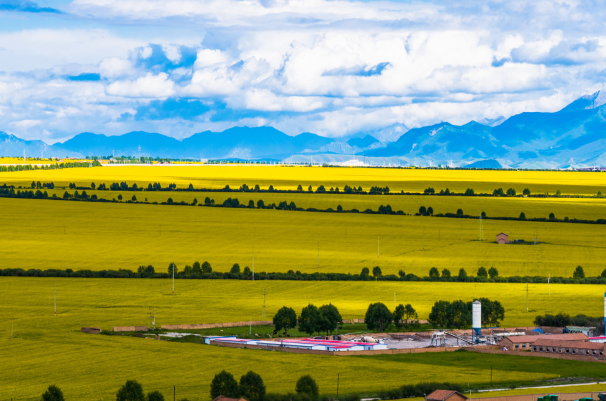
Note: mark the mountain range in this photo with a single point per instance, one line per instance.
(574, 136)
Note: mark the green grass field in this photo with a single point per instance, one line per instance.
(51, 350)
(45, 234)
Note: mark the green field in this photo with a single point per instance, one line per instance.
(51, 350)
(45, 234)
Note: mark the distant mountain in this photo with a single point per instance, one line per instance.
(237, 142)
(573, 136)
(12, 146)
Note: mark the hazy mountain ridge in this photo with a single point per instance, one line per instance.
(574, 136)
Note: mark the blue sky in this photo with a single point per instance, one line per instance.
(335, 68)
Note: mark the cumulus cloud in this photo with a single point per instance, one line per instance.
(149, 86)
(333, 67)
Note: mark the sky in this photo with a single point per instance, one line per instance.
(335, 68)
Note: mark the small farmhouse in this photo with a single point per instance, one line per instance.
(502, 238)
(443, 395)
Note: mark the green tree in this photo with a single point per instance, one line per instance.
(187, 270)
(196, 269)
(194, 202)
(482, 272)
(285, 318)
(53, 393)
(603, 273)
(446, 273)
(430, 211)
(252, 387)
(134, 198)
(299, 188)
(206, 268)
(172, 267)
(578, 272)
(331, 318)
(438, 316)
(522, 216)
(434, 273)
(247, 271)
(483, 214)
(422, 210)
(558, 193)
(410, 315)
(401, 273)
(459, 315)
(155, 395)
(224, 384)
(459, 212)
(551, 216)
(511, 192)
(365, 272)
(493, 272)
(378, 317)
(260, 204)
(131, 391)
(376, 272)
(251, 204)
(308, 386)
(235, 268)
(526, 192)
(339, 208)
(398, 316)
(309, 320)
(462, 275)
(120, 197)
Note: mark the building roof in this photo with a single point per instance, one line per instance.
(563, 337)
(546, 342)
(222, 398)
(441, 395)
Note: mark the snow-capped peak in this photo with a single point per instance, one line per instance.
(597, 99)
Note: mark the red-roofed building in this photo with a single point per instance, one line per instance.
(443, 395)
(521, 343)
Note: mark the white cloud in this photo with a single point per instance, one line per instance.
(149, 86)
(208, 57)
(113, 67)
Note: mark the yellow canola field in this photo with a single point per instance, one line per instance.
(45, 234)
(51, 350)
(409, 180)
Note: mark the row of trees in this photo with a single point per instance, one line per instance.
(325, 319)
(458, 314)
(54, 166)
(564, 319)
(482, 272)
(131, 391)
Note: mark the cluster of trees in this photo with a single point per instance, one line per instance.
(375, 190)
(252, 388)
(40, 185)
(378, 317)
(458, 314)
(564, 319)
(312, 319)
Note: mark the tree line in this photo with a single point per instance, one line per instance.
(564, 319)
(54, 166)
(252, 388)
(205, 271)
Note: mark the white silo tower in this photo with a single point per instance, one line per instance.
(477, 321)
